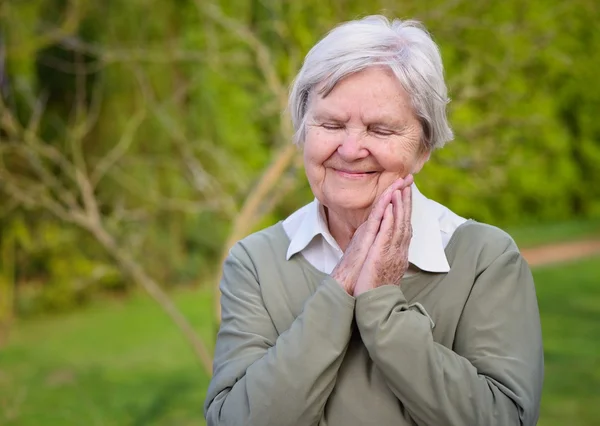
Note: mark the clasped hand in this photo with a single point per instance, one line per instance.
(378, 252)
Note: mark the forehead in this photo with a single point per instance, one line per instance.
(373, 93)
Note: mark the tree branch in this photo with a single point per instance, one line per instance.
(120, 149)
(245, 35)
(69, 25)
(37, 193)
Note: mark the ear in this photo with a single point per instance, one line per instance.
(423, 158)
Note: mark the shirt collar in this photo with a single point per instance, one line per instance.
(312, 223)
(426, 250)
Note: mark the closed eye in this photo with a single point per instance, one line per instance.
(381, 132)
(332, 126)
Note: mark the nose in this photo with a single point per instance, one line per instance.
(352, 147)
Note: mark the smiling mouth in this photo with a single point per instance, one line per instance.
(354, 174)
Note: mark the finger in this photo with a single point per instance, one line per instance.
(407, 210)
(399, 217)
(385, 233)
(384, 199)
(373, 248)
(382, 240)
(407, 203)
(398, 184)
(366, 238)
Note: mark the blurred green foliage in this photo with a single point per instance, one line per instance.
(522, 76)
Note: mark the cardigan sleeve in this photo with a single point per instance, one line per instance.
(493, 374)
(262, 378)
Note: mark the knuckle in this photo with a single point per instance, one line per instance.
(406, 228)
(390, 233)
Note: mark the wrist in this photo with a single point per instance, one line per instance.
(360, 291)
(343, 280)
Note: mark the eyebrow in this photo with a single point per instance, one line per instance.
(328, 115)
(386, 121)
(393, 124)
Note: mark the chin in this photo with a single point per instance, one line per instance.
(341, 202)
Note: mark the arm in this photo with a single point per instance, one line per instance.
(262, 378)
(493, 376)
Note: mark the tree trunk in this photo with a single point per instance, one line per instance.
(133, 269)
(249, 214)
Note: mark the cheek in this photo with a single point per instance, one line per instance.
(392, 159)
(401, 156)
(311, 164)
(313, 161)
(317, 148)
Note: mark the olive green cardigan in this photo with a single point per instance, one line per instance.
(459, 348)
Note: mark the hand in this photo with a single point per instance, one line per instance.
(387, 260)
(349, 268)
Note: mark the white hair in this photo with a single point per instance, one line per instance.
(404, 46)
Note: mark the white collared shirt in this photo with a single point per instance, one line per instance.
(432, 223)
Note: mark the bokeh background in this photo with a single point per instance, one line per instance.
(140, 138)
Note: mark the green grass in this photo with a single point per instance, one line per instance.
(124, 363)
(545, 233)
(569, 298)
(119, 363)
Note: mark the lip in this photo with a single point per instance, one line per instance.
(349, 174)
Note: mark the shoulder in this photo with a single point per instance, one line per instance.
(267, 245)
(488, 236)
(480, 242)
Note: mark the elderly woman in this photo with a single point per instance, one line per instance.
(374, 305)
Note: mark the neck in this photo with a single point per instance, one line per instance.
(342, 226)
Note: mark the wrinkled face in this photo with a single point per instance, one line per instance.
(360, 138)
